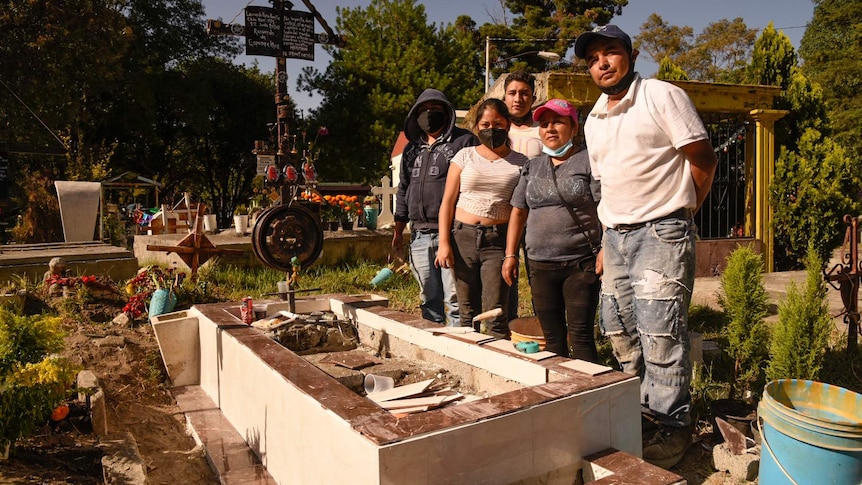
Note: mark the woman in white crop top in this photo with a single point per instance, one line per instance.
(474, 215)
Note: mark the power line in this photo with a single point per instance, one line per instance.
(34, 115)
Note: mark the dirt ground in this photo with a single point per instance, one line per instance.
(129, 370)
(131, 373)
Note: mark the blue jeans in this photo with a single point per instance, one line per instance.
(437, 298)
(646, 290)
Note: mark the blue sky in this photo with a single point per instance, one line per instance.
(791, 16)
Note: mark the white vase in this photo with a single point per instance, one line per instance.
(240, 223)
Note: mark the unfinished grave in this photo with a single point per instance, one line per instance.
(504, 416)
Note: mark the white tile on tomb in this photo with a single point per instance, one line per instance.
(586, 367)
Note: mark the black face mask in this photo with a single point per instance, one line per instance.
(624, 83)
(493, 137)
(431, 121)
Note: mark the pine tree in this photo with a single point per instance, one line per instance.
(812, 190)
(744, 301)
(801, 336)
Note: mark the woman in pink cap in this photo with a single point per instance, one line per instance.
(556, 199)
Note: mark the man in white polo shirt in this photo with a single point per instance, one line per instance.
(652, 155)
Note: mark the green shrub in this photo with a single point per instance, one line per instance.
(744, 300)
(801, 337)
(32, 380)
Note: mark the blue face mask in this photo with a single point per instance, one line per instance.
(559, 152)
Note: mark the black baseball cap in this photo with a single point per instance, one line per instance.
(609, 31)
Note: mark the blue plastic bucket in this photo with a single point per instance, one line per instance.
(811, 434)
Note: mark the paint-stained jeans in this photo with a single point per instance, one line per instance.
(646, 289)
(478, 273)
(437, 298)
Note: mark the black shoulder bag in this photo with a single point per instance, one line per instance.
(594, 249)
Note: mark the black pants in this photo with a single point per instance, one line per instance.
(565, 297)
(479, 273)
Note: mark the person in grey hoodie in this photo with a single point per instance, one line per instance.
(433, 139)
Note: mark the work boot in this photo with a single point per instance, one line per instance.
(667, 446)
(649, 425)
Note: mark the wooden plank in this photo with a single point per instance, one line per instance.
(401, 391)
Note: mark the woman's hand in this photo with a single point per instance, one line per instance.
(445, 258)
(600, 262)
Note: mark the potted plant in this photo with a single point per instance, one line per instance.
(371, 210)
(328, 214)
(345, 208)
(744, 300)
(240, 219)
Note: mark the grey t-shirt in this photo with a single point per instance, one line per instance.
(552, 234)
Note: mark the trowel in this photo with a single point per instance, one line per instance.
(485, 316)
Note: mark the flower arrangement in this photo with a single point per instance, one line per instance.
(370, 200)
(345, 207)
(263, 195)
(145, 283)
(335, 208)
(327, 212)
(86, 280)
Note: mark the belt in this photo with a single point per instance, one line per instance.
(501, 228)
(683, 213)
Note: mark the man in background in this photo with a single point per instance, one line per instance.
(519, 94)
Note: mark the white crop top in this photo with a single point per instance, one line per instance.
(487, 185)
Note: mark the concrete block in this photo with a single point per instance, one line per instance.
(89, 390)
(740, 467)
(122, 462)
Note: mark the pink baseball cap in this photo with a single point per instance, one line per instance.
(559, 106)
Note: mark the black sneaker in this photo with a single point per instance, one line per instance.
(667, 446)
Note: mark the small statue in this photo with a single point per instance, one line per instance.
(294, 271)
(56, 276)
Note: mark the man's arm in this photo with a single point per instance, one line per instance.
(701, 156)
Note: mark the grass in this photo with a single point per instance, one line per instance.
(225, 283)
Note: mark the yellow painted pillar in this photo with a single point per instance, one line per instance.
(764, 169)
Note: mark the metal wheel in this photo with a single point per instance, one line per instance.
(283, 232)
